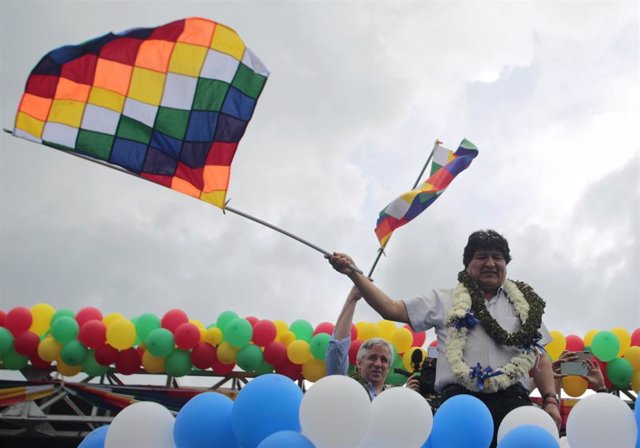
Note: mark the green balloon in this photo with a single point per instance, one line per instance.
(224, 319)
(238, 332)
(319, 344)
(302, 329)
(605, 346)
(250, 358)
(65, 329)
(178, 363)
(619, 371)
(74, 353)
(264, 368)
(145, 324)
(63, 312)
(91, 367)
(6, 341)
(14, 361)
(160, 342)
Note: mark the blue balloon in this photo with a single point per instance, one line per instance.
(462, 421)
(205, 420)
(95, 439)
(267, 404)
(289, 439)
(528, 436)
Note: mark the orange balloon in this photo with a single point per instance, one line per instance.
(574, 386)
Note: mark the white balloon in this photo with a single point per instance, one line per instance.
(140, 425)
(527, 415)
(601, 420)
(400, 417)
(335, 412)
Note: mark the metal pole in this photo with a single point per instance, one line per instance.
(424, 168)
(284, 232)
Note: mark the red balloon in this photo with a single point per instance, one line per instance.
(173, 318)
(287, 368)
(353, 350)
(264, 332)
(106, 355)
(418, 337)
(38, 362)
(433, 343)
(86, 314)
(18, 320)
(252, 320)
(324, 327)
(574, 343)
(93, 333)
(187, 336)
(275, 353)
(635, 337)
(3, 317)
(26, 343)
(354, 332)
(203, 355)
(128, 361)
(221, 368)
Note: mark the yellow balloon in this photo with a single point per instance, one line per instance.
(368, 330)
(633, 356)
(68, 370)
(152, 364)
(112, 317)
(624, 337)
(406, 358)
(281, 327)
(49, 349)
(227, 353)
(213, 336)
(299, 351)
(588, 338)
(557, 344)
(388, 328)
(313, 370)
(287, 337)
(402, 339)
(121, 334)
(635, 381)
(574, 386)
(42, 314)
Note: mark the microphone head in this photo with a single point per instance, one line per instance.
(416, 356)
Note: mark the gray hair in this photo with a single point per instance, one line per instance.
(373, 342)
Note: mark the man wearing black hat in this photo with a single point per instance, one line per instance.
(489, 329)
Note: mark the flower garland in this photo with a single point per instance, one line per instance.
(469, 309)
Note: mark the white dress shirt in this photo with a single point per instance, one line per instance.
(431, 310)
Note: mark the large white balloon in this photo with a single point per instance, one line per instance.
(601, 420)
(140, 425)
(335, 412)
(527, 415)
(400, 417)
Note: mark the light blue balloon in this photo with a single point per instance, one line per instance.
(528, 436)
(462, 421)
(95, 439)
(205, 420)
(289, 439)
(268, 404)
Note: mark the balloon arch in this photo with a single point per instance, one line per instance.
(272, 411)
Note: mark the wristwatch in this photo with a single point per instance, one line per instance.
(551, 395)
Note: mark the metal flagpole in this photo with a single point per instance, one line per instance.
(424, 168)
(284, 232)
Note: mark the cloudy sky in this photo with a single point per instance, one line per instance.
(359, 91)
